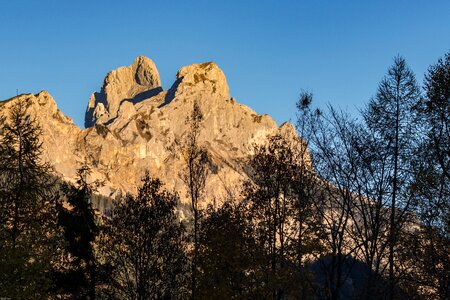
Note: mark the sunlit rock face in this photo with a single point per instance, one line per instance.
(133, 83)
(59, 133)
(132, 125)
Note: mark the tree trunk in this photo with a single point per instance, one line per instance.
(392, 234)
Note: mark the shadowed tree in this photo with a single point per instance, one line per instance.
(194, 176)
(143, 243)
(229, 257)
(390, 118)
(267, 194)
(431, 189)
(435, 112)
(78, 274)
(305, 187)
(329, 138)
(350, 201)
(28, 235)
(277, 196)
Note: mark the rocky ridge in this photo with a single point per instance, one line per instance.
(132, 125)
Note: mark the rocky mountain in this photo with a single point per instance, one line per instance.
(132, 124)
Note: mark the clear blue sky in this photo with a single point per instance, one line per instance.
(269, 50)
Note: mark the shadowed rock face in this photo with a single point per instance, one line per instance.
(133, 125)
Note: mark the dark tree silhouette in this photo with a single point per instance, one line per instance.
(305, 187)
(329, 137)
(194, 176)
(390, 117)
(276, 196)
(229, 257)
(435, 110)
(267, 193)
(28, 235)
(77, 276)
(143, 243)
(356, 209)
(431, 189)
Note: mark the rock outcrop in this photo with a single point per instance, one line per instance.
(133, 125)
(133, 83)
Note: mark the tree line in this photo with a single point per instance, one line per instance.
(358, 208)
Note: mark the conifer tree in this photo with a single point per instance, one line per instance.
(27, 208)
(390, 117)
(77, 275)
(194, 176)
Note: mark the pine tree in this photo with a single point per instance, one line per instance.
(194, 176)
(77, 275)
(27, 208)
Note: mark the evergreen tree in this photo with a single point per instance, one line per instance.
(77, 274)
(194, 176)
(28, 232)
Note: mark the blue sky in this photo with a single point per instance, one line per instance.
(269, 50)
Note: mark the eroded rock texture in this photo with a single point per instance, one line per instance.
(133, 125)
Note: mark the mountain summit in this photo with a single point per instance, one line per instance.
(132, 83)
(132, 125)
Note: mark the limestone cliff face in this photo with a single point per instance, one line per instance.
(132, 83)
(133, 125)
(59, 132)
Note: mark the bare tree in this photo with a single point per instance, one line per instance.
(229, 254)
(428, 257)
(305, 186)
(268, 192)
(330, 157)
(279, 196)
(331, 139)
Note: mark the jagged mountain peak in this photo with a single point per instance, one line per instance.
(205, 79)
(135, 82)
(135, 126)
